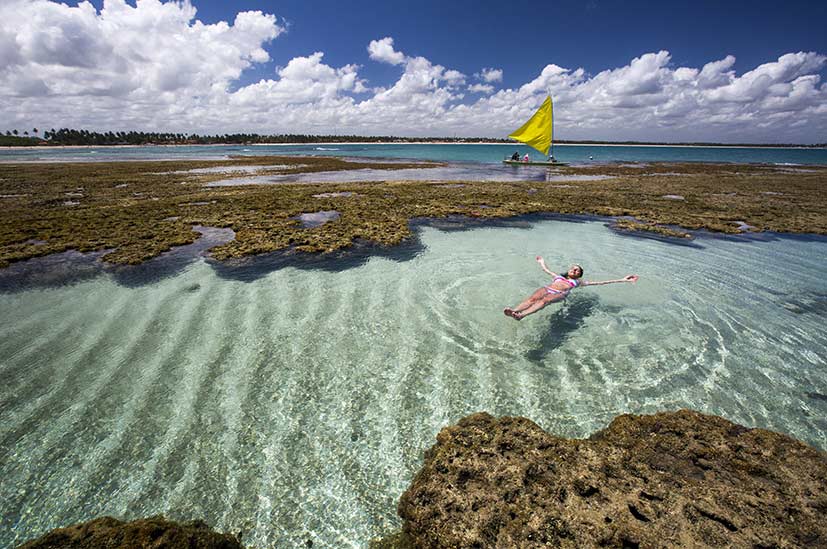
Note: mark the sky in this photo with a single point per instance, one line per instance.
(730, 72)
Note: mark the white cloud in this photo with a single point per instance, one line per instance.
(490, 75)
(644, 75)
(648, 100)
(382, 50)
(717, 73)
(304, 80)
(768, 79)
(481, 88)
(423, 91)
(155, 66)
(453, 78)
(122, 50)
(686, 74)
(553, 77)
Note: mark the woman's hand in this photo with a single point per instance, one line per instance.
(539, 260)
(630, 278)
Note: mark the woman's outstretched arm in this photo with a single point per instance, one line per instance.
(627, 278)
(543, 265)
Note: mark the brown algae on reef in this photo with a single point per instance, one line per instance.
(139, 211)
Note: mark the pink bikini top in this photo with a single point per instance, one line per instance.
(573, 283)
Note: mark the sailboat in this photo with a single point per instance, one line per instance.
(537, 133)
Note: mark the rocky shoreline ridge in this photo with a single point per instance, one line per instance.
(671, 479)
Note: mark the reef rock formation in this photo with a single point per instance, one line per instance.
(153, 532)
(678, 479)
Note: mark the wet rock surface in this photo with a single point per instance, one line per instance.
(154, 532)
(677, 479)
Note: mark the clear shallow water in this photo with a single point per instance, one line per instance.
(296, 404)
(487, 154)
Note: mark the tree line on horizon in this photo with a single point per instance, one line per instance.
(67, 136)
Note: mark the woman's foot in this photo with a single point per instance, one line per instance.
(508, 312)
(517, 316)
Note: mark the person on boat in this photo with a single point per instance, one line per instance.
(525, 158)
(558, 290)
(516, 156)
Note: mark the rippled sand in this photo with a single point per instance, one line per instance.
(296, 405)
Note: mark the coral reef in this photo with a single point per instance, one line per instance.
(680, 479)
(137, 210)
(153, 532)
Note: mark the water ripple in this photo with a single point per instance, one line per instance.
(296, 405)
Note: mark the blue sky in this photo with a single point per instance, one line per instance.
(522, 37)
(637, 66)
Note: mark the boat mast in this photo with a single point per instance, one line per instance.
(551, 130)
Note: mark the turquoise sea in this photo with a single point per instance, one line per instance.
(473, 153)
(292, 397)
(293, 400)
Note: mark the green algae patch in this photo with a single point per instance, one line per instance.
(141, 209)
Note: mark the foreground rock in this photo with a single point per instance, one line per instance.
(679, 479)
(154, 532)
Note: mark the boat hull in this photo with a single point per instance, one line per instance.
(521, 163)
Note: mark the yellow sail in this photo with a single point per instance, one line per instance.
(536, 133)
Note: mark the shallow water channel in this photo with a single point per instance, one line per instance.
(295, 404)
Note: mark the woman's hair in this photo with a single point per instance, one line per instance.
(566, 272)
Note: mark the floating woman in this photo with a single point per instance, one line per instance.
(558, 290)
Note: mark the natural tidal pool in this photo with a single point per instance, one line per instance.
(294, 404)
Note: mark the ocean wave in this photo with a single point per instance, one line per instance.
(324, 149)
